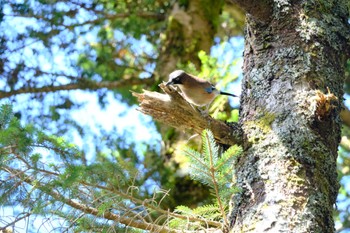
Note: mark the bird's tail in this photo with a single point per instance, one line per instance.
(225, 93)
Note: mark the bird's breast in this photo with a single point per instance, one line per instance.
(198, 96)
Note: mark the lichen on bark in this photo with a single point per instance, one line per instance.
(288, 172)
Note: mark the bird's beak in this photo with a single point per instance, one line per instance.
(169, 83)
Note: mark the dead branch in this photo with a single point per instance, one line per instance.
(172, 109)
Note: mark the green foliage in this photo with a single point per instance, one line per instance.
(54, 182)
(6, 115)
(14, 137)
(82, 194)
(216, 170)
(212, 11)
(210, 167)
(18, 145)
(209, 212)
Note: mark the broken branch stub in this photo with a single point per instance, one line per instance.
(172, 109)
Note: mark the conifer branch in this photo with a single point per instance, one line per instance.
(212, 170)
(127, 196)
(87, 209)
(109, 199)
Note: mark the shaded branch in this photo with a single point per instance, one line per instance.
(82, 84)
(172, 109)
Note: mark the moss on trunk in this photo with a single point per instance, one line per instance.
(293, 70)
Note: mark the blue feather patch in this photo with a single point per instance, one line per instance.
(209, 89)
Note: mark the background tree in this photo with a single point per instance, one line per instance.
(57, 52)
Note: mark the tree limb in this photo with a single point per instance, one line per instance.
(172, 109)
(81, 84)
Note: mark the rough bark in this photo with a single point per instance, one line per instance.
(290, 104)
(172, 109)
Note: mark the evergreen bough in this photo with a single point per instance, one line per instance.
(215, 170)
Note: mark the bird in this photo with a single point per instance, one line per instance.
(196, 91)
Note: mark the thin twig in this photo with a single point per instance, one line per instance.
(145, 204)
(13, 222)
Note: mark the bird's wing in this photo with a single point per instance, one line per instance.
(210, 89)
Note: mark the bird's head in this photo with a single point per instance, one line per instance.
(176, 77)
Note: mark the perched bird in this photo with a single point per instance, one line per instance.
(195, 90)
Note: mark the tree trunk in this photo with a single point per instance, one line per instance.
(292, 93)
